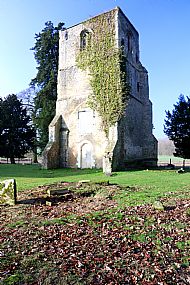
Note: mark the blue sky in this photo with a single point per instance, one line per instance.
(163, 26)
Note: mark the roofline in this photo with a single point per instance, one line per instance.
(117, 8)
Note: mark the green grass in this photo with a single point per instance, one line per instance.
(151, 184)
(34, 230)
(16, 224)
(28, 176)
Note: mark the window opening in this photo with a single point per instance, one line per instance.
(85, 121)
(84, 39)
(138, 86)
(129, 42)
(137, 57)
(66, 35)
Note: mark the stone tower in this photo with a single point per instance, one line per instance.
(76, 138)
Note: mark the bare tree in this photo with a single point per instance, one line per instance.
(165, 147)
(27, 97)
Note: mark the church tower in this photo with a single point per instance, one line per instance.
(76, 137)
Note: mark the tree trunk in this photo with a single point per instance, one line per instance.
(12, 160)
(35, 157)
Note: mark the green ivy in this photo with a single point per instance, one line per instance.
(106, 65)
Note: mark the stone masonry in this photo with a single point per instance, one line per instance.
(76, 138)
(8, 193)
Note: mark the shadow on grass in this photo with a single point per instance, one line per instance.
(49, 201)
(34, 201)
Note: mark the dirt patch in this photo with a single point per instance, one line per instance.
(81, 199)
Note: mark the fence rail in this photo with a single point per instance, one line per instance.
(175, 163)
(164, 163)
(25, 160)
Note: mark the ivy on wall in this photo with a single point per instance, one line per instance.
(106, 65)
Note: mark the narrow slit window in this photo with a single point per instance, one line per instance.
(84, 37)
(122, 43)
(129, 42)
(138, 86)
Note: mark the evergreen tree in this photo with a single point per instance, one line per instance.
(16, 133)
(177, 127)
(46, 50)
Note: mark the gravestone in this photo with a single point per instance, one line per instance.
(8, 192)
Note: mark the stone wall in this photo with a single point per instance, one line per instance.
(51, 153)
(73, 91)
(136, 128)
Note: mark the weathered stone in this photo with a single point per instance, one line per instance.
(76, 138)
(8, 193)
(84, 181)
(48, 203)
(107, 163)
(57, 192)
(51, 151)
(158, 206)
(180, 171)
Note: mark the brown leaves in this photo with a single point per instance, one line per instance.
(69, 242)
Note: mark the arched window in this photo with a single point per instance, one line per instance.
(84, 37)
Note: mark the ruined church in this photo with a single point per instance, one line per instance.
(76, 136)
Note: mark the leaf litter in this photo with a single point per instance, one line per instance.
(84, 237)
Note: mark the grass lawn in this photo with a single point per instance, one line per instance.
(106, 233)
(153, 183)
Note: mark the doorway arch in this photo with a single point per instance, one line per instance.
(86, 156)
